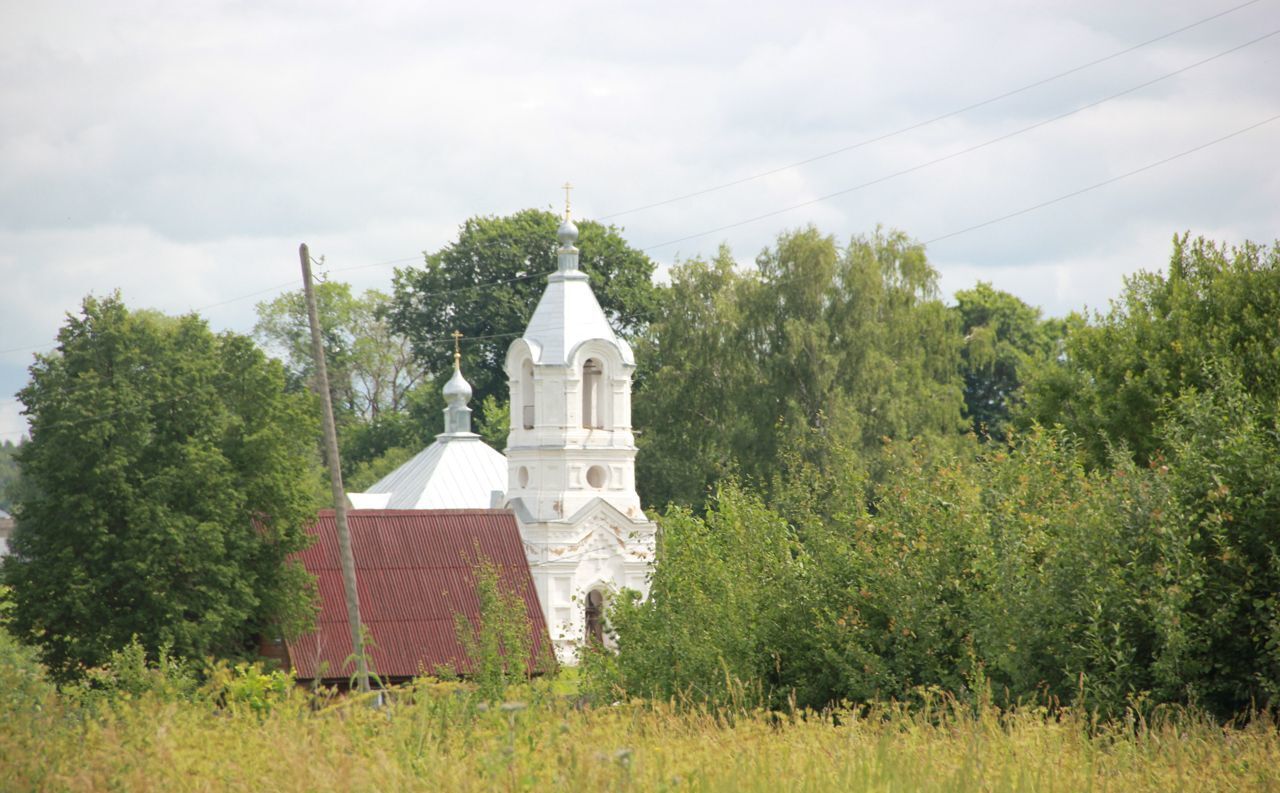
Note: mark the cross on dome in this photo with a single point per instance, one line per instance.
(567, 234)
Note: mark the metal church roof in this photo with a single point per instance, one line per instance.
(568, 312)
(414, 572)
(567, 315)
(458, 471)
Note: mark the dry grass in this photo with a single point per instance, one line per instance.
(439, 738)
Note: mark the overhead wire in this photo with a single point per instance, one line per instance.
(798, 163)
(294, 283)
(861, 186)
(128, 411)
(939, 238)
(1104, 182)
(933, 120)
(964, 151)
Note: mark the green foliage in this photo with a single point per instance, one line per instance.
(247, 687)
(442, 736)
(1014, 565)
(8, 472)
(510, 256)
(1004, 338)
(371, 371)
(129, 674)
(368, 444)
(380, 399)
(499, 643)
(716, 612)
(24, 684)
(367, 473)
(1119, 369)
(1223, 444)
(164, 486)
(495, 421)
(818, 342)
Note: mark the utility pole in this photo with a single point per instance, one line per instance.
(335, 475)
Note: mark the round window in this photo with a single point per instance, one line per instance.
(597, 476)
(523, 476)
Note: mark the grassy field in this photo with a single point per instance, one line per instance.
(440, 737)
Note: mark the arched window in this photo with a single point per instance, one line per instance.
(592, 394)
(526, 394)
(595, 617)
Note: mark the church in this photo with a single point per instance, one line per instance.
(566, 482)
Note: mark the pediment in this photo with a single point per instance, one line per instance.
(599, 507)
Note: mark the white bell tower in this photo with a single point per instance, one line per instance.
(571, 456)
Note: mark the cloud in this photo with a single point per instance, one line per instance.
(181, 152)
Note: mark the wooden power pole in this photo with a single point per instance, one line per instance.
(335, 476)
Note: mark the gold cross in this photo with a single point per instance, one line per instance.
(567, 187)
(457, 352)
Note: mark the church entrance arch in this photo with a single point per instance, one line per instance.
(595, 617)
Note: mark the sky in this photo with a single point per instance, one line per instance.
(180, 152)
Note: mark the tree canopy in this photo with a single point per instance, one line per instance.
(1217, 303)
(1050, 564)
(818, 341)
(382, 398)
(1004, 340)
(165, 484)
(8, 472)
(371, 370)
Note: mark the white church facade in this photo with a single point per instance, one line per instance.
(568, 474)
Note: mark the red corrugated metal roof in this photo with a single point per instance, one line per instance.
(413, 573)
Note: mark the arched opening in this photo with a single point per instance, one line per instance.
(592, 394)
(595, 617)
(526, 394)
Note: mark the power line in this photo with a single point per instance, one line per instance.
(949, 235)
(152, 404)
(404, 260)
(926, 122)
(293, 283)
(1104, 182)
(962, 152)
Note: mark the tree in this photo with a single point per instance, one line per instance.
(8, 472)
(372, 369)
(1003, 339)
(1222, 442)
(692, 424)
(1118, 370)
(165, 484)
(380, 399)
(487, 283)
(817, 343)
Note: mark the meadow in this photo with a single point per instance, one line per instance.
(444, 737)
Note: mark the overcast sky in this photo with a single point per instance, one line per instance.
(181, 151)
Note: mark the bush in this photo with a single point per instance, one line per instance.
(1009, 564)
(129, 674)
(24, 685)
(714, 612)
(1223, 445)
(249, 687)
(499, 643)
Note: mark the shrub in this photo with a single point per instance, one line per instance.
(500, 642)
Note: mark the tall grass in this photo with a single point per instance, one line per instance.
(436, 736)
